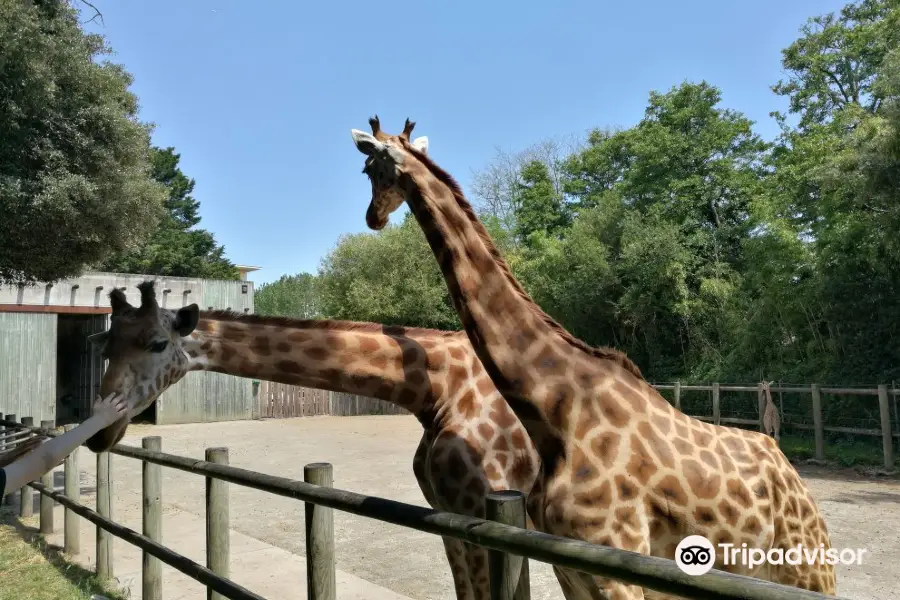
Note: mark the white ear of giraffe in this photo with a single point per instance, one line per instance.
(421, 144)
(365, 142)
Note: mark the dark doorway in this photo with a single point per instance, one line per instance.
(79, 366)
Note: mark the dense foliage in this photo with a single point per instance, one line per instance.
(702, 250)
(80, 185)
(75, 182)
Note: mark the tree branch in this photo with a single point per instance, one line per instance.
(97, 13)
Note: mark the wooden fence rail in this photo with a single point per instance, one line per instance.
(495, 535)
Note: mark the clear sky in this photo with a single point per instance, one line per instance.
(259, 98)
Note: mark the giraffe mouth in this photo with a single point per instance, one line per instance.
(374, 220)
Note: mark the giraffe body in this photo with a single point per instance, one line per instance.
(472, 442)
(771, 419)
(620, 465)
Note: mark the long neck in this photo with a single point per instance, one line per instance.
(398, 365)
(525, 351)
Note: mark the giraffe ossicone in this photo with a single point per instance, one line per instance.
(472, 443)
(621, 466)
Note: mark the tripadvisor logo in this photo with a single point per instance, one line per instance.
(696, 555)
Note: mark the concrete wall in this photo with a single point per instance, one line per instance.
(28, 365)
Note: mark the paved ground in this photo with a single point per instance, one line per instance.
(372, 455)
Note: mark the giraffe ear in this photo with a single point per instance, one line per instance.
(186, 319)
(98, 339)
(365, 142)
(421, 144)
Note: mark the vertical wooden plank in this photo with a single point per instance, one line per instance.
(71, 524)
(818, 428)
(887, 442)
(104, 509)
(151, 580)
(47, 502)
(678, 395)
(509, 579)
(218, 550)
(26, 494)
(320, 573)
(715, 404)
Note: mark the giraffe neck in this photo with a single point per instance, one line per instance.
(517, 342)
(404, 366)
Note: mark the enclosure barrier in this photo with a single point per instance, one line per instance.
(882, 392)
(498, 537)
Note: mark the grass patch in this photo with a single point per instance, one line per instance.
(846, 451)
(30, 568)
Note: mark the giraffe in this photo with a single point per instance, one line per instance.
(620, 466)
(771, 419)
(472, 442)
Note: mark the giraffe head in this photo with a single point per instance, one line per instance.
(387, 155)
(144, 348)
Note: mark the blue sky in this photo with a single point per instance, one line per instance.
(259, 99)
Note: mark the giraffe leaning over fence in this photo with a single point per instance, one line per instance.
(472, 444)
(620, 465)
(771, 419)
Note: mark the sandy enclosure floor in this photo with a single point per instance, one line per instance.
(373, 455)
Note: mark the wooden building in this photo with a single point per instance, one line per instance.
(48, 370)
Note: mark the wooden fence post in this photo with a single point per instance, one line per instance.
(818, 428)
(8, 498)
(320, 575)
(26, 495)
(218, 551)
(152, 567)
(508, 573)
(47, 502)
(104, 509)
(71, 522)
(717, 417)
(677, 394)
(885, 410)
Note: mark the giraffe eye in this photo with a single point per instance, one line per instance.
(158, 346)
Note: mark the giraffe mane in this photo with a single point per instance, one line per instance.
(326, 324)
(602, 352)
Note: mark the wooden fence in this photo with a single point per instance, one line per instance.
(280, 401)
(276, 400)
(509, 544)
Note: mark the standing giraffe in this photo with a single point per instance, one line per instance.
(771, 419)
(620, 465)
(472, 444)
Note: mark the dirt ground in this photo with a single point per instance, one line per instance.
(373, 455)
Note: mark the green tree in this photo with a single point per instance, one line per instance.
(294, 296)
(75, 180)
(176, 247)
(541, 208)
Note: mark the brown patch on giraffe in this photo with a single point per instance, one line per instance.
(521, 468)
(416, 377)
(486, 388)
(704, 515)
(486, 431)
(518, 440)
(379, 362)
(335, 342)
(734, 444)
(671, 490)
(729, 512)
(260, 346)
(599, 497)
(283, 347)
(606, 447)
(659, 446)
(682, 446)
(709, 458)
(207, 345)
(704, 485)
(501, 444)
(749, 471)
(298, 336)
(738, 491)
(457, 353)
(547, 362)
(368, 344)
(407, 397)
(627, 490)
(634, 398)
(614, 412)
(249, 367)
(502, 415)
(626, 517)
(752, 525)
(458, 374)
(562, 406)
(502, 458)
(316, 353)
(227, 353)
(641, 466)
(702, 438)
(581, 465)
(491, 472)
(289, 366)
(681, 430)
(662, 422)
(413, 355)
(583, 428)
(761, 490)
(233, 333)
(806, 510)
